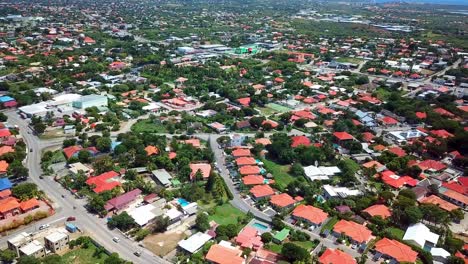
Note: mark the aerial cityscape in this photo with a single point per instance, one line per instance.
(233, 132)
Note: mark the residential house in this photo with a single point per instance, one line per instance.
(249, 237)
(421, 236)
(378, 210)
(336, 256)
(204, 168)
(104, 182)
(392, 249)
(357, 234)
(338, 192)
(309, 214)
(122, 201)
(261, 192)
(220, 254)
(162, 176)
(194, 243)
(57, 241)
(282, 201)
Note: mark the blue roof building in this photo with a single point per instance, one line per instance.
(5, 184)
(6, 98)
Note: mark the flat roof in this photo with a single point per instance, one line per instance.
(18, 239)
(32, 248)
(143, 214)
(56, 236)
(163, 176)
(195, 242)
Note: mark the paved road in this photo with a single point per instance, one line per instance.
(64, 206)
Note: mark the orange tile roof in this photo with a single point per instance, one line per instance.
(343, 135)
(29, 204)
(263, 141)
(456, 196)
(282, 200)
(372, 164)
(151, 150)
(397, 151)
(193, 141)
(396, 250)
(249, 170)
(379, 147)
(6, 149)
(355, 231)
(249, 238)
(336, 256)
(5, 193)
(253, 180)
(378, 210)
(8, 204)
(240, 152)
(300, 140)
(244, 101)
(204, 168)
(310, 213)
(224, 255)
(245, 161)
(3, 166)
(439, 202)
(104, 182)
(259, 191)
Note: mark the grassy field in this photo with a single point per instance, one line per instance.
(396, 232)
(329, 225)
(278, 108)
(266, 111)
(280, 173)
(349, 60)
(84, 256)
(309, 245)
(225, 214)
(275, 247)
(148, 126)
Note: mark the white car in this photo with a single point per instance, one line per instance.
(116, 239)
(41, 227)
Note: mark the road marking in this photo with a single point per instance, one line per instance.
(57, 220)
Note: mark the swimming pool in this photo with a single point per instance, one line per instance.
(183, 202)
(260, 227)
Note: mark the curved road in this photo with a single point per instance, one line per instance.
(92, 224)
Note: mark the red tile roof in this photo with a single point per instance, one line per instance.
(421, 115)
(71, 150)
(310, 213)
(389, 120)
(300, 140)
(244, 101)
(205, 169)
(442, 133)
(282, 200)
(456, 196)
(443, 112)
(29, 204)
(355, 231)
(8, 204)
(104, 182)
(397, 151)
(3, 166)
(249, 238)
(249, 170)
(223, 255)
(431, 165)
(242, 161)
(336, 256)
(5, 133)
(378, 210)
(253, 180)
(396, 250)
(240, 152)
(343, 136)
(151, 150)
(259, 191)
(390, 178)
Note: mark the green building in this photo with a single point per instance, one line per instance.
(280, 236)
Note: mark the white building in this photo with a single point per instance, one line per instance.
(195, 242)
(321, 172)
(420, 235)
(338, 192)
(34, 248)
(57, 240)
(143, 214)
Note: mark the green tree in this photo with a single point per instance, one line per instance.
(293, 252)
(7, 255)
(159, 224)
(52, 259)
(28, 260)
(114, 259)
(123, 221)
(25, 190)
(267, 237)
(201, 222)
(84, 156)
(103, 144)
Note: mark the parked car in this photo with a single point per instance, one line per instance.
(116, 239)
(137, 253)
(41, 227)
(71, 218)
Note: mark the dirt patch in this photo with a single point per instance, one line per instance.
(162, 244)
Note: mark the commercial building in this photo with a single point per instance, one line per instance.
(57, 241)
(90, 101)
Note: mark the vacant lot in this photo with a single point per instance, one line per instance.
(279, 172)
(162, 244)
(225, 214)
(148, 126)
(84, 256)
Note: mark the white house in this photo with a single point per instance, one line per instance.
(420, 235)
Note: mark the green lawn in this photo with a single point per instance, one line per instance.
(350, 60)
(225, 214)
(148, 126)
(280, 173)
(395, 232)
(58, 157)
(309, 245)
(275, 247)
(329, 225)
(84, 256)
(278, 108)
(266, 111)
